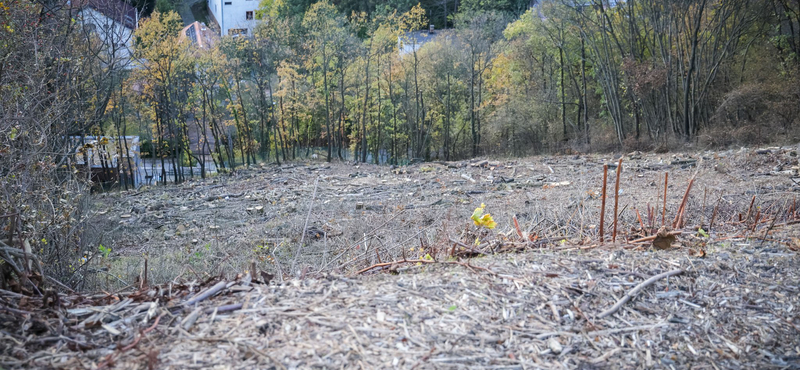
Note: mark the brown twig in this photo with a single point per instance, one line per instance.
(664, 210)
(755, 221)
(679, 217)
(771, 225)
(639, 217)
(714, 214)
(136, 340)
(145, 273)
(519, 230)
(603, 204)
(636, 291)
(703, 208)
(750, 209)
(616, 201)
(424, 358)
(145, 331)
(469, 248)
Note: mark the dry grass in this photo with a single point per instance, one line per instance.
(365, 213)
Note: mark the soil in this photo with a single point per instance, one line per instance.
(320, 265)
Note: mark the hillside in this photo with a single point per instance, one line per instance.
(389, 274)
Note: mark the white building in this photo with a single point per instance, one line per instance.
(113, 23)
(234, 17)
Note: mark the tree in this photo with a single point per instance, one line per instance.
(164, 62)
(327, 37)
(480, 33)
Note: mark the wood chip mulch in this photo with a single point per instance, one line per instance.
(735, 308)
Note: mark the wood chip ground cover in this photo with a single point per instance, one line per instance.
(537, 305)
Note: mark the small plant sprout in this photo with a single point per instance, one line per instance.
(105, 251)
(483, 220)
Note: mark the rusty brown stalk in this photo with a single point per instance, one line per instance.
(679, 217)
(664, 210)
(755, 222)
(750, 209)
(603, 203)
(714, 214)
(638, 216)
(703, 208)
(616, 200)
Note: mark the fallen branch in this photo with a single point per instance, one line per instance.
(225, 308)
(208, 293)
(387, 264)
(636, 291)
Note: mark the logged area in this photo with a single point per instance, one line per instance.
(296, 184)
(319, 265)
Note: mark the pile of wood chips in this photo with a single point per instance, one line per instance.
(573, 308)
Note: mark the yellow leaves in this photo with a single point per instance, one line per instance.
(483, 220)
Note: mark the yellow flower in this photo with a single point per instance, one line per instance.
(481, 219)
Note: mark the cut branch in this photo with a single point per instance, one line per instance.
(633, 292)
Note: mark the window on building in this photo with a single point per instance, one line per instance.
(248, 16)
(228, 3)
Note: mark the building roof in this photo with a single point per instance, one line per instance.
(199, 34)
(117, 10)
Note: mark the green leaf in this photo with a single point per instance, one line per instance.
(452, 308)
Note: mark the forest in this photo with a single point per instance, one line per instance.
(494, 78)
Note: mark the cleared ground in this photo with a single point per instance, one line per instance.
(354, 214)
(540, 296)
